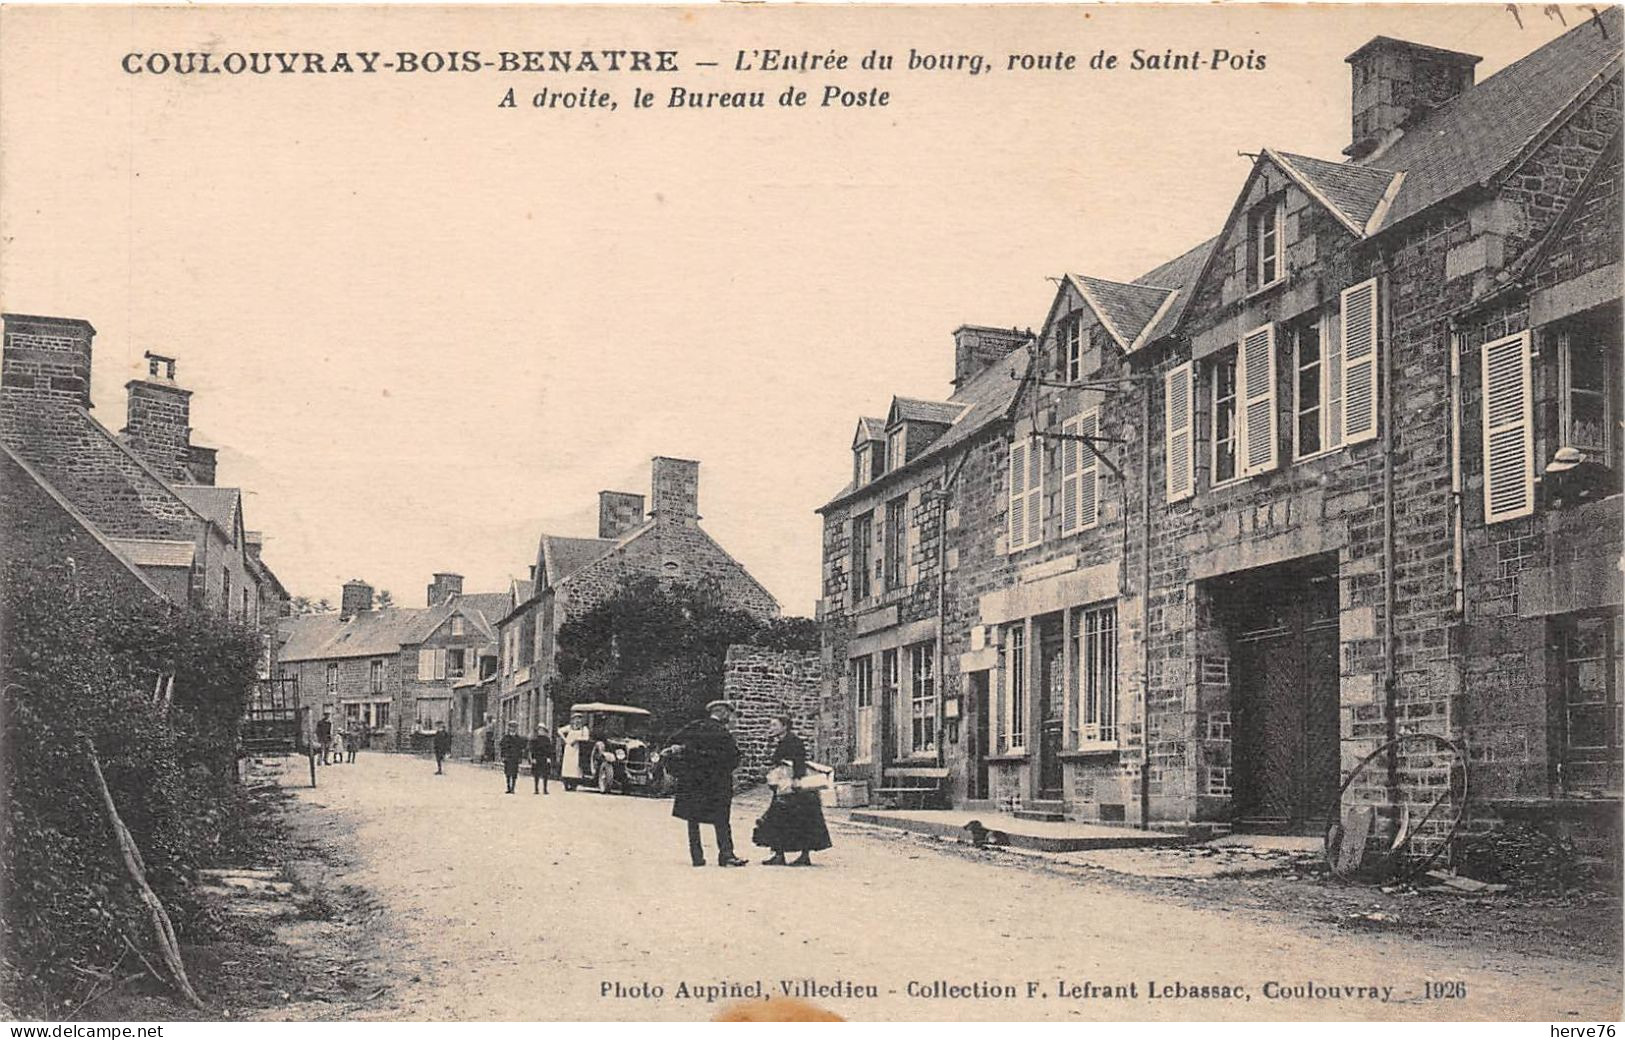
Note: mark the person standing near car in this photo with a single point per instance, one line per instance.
(541, 759)
(512, 751)
(575, 734)
(705, 754)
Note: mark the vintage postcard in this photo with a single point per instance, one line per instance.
(945, 513)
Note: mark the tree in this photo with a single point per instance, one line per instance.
(305, 605)
(386, 601)
(661, 646)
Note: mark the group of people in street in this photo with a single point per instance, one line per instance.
(704, 756)
(335, 745)
(701, 759)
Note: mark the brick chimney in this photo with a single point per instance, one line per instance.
(676, 491)
(357, 598)
(159, 427)
(46, 359)
(976, 347)
(444, 586)
(201, 463)
(1396, 83)
(618, 513)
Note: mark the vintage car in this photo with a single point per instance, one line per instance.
(619, 757)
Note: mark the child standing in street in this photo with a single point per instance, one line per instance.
(541, 758)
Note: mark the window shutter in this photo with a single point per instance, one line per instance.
(1177, 430)
(1035, 492)
(1509, 438)
(1360, 362)
(425, 664)
(1018, 494)
(1257, 378)
(439, 664)
(1088, 476)
(1070, 452)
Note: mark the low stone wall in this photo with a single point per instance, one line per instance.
(762, 683)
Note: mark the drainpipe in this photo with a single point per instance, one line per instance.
(1389, 640)
(1145, 604)
(1458, 551)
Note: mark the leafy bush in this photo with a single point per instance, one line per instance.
(82, 665)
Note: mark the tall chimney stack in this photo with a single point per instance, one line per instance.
(978, 347)
(445, 585)
(159, 427)
(46, 359)
(1397, 82)
(357, 598)
(676, 491)
(618, 513)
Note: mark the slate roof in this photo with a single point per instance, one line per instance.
(913, 409)
(563, 557)
(379, 633)
(1124, 309)
(153, 552)
(220, 505)
(1479, 133)
(1355, 192)
(984, 400)
(869, 429)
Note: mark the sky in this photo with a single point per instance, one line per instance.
(422, 329)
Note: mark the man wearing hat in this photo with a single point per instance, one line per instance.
(703, 754)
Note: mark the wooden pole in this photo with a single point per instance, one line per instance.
(163, 930)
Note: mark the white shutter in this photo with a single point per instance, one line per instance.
(440, 664)
(1035, 492)
(1176, 431)
(425, 664)
(1509, 435)
(1088, 476)
(1257, 382)
(1070, 452)
(1359, 349)
(1018, 494)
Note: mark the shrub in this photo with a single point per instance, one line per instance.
(81, 666)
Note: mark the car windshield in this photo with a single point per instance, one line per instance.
(610, 726)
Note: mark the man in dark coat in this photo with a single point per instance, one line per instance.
(704, 755)
(324, 736)
(442, 748)
(512, 751)
(541, 759)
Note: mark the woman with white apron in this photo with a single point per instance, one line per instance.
(575, 734)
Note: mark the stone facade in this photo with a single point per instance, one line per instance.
(762, 684)
(1287, 561)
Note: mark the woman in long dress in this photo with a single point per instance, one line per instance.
(794, 822)
(574, 733)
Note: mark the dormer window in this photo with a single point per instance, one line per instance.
(1069, 347)
(1265, 225)
(863, 469)
(894, 448)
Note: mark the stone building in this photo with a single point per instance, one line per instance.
(143, 501)
(1347, 473)
(762, 684)
(573, 575)
(395, 671)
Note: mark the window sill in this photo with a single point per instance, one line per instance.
(1312, 456)
(1094, 750)
(1232, 482)
(1008, 756)
(1264, 290)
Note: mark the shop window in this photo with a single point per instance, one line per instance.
(1094, 654)
(1015, 689)
(922, 699)
(863, 714)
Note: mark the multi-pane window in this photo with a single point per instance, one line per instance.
(896, 542)
(891, 683)
(1264, 245)
(862, 465)
(1317, 361)
(455, 663)
(1094, 653)
(922, 698)
(1069, 347)
(894, 449)
(457, 626)
(863, 714)
(1015, 688)
(863, 540)
(1583, 368)
(332, 677)
(1592, 722)
(375, 676)
(1222, 381)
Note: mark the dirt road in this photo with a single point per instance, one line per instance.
(585, 906)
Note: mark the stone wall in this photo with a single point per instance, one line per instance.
(763, 683)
